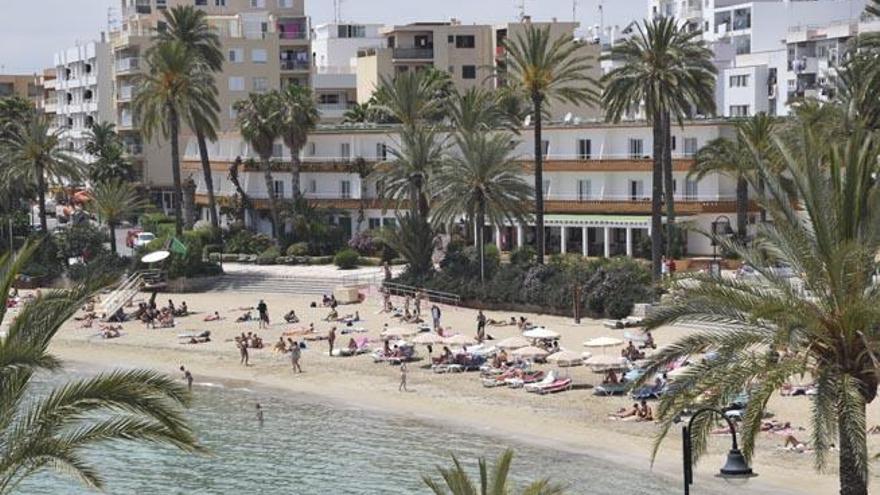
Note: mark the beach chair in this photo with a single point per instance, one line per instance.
(527, 378)
(533, 387)
(558, 385)
(611, 389)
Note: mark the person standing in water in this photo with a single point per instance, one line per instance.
(188, 377)
(259, 414)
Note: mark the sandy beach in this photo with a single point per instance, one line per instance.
(575, 420)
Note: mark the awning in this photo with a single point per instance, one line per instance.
(642, 221)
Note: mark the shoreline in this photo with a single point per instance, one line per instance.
(581, 440)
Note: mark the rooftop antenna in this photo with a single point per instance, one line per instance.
(574, 10)
(601, 17)
(521, 6)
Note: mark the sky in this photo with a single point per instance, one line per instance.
(31, 31)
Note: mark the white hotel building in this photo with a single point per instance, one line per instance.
(597, 182)
(83, 92)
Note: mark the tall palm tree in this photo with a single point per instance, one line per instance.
(34, 153)
(189, 26)
(736, 159)
(103, 143)
(299, 117)
(668, 70)
(114, 201)
(547, 70)
(57, 431)
(494, 481)
(484, 182)
(475, 110)
(822, 323)
(260, 123)
(175, 85)
(414, 159)
(414, 96)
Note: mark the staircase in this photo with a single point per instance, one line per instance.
(275, 284)
(127, 290)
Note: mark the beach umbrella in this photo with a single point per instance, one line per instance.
(529, 352)
(603, 342)
(540, 333)
(569, 358)
(604, 363)
(459, 339)
(399, 332)
(513, 343)
(427, 339)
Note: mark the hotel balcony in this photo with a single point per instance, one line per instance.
(125, 65)
(126, 93)
(413, 53)
(295, 65)
(126, 122)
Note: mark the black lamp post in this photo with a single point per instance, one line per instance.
(735, 468)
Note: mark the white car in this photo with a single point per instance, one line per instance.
(143, 239)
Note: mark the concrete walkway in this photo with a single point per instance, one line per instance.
(327, 272)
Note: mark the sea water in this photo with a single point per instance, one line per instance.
(306, 446)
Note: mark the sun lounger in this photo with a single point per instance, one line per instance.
(526, 379)
(609, 389)
(349, 330)
(613, 324)
(533, 387)
(557, 386)
(646, 393)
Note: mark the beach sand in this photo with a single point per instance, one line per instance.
(575, 420)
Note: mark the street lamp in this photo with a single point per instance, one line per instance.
(720, 226)
(735, 468)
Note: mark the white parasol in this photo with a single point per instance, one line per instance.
(513, 343)
(399, 332)
(529, 352)
(603, 342)
(540, 333)
(428, 339)
(563, 358)
(155, 257)
(459, 339)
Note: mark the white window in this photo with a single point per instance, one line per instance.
(236, 83)
(345, 189)
(584, 149)
(739, 81)
(279, 189)
(220, 3)
(278, 150)
(739, 110)
(584, 190)
(691, 189)
(545, 148)
(258, 4)
(636, 148)
(232, 113)
(261, 84)
(258, 56)
(690, 146)
(285, 4)
(236, 55)
(345, 151)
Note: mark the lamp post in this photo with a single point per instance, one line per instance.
(735, 468)
(720, 226)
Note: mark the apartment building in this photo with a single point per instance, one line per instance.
(334, 48)
(597, 182)
(20, 85)
(82, 93)
(266, 43)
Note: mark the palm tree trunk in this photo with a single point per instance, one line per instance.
(656, 199)
(853, 481)
(174, 126)
(270, 187)
(295, 166)
(669, 186)
(481, 244)
(742, 208)
(539, 179)
(41, 197)
(112, 227)
(209, 181)
(761, 194)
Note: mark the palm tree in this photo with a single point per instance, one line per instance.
(34, 153)
(547, 70)
(174, 86)
(736, 160)
(114, 201)
(189, 26)
(408, 175)
(414, 96)
(668, 70)
(456, 481)
(260, 124)
(482, 182)
(58, 430)
(413, 238)
(299, 117)
(359, 113)
(822, 323)
(475, 110)
(103, 143)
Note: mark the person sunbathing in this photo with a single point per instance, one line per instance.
(256, 342)
(792, 443)
(649, 342)
(352, 345)
(213, 317)
(291, 317)
(623, 412)
(90, 315)
(245, 317)
(181, 311)
(646, 414)
(247, 308)
(610, 378)
(110, 332)
(87, 323)
(492, 322)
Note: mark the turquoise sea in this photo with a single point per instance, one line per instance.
(307, 446)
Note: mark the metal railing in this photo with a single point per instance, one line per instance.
(127, 290)
(413, 53)
(396, 289)
(294, 65)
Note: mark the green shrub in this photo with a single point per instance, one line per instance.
(269, 256)
(320, 260)
(523, 256)
(158, 223)
(247, 242)
(346, 259)
(106, 265)
(298, 249)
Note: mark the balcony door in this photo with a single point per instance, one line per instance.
(636, 190)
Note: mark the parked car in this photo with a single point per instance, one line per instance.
(142, 239)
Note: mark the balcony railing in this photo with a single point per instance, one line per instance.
(134, 149)
(294, 65)
(414, 53)
(293, 35)
(127, 64)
